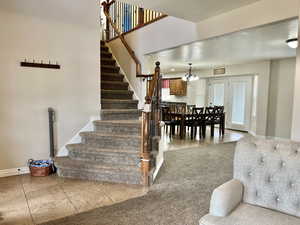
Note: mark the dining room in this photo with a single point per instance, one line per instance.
(201, 111)
(219, 90)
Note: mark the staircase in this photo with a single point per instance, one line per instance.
(112, 151)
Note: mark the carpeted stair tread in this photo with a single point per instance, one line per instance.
(107, 59)
(120, 114)
(120, 101)
(87, 148)
(104, 48)
(129, 127)
(116, 94)
(112, 157)
(114, 85)
(66, 162)
(114, 82)
(109, 67)
(114, 77)
(120, 111)
(100, 134)
(106, 54)
(121, 92)
(131, 122)
(111, 74)
(93, 170)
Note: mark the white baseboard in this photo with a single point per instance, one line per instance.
(158, 166)
(63, 151)
(252, 133)
(14, 171)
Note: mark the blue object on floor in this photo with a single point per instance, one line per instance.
(40, 163)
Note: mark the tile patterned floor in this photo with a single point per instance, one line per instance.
(25, 200)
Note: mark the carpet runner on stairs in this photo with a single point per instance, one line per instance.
(110, 152)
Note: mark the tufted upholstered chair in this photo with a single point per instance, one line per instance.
(265, 189)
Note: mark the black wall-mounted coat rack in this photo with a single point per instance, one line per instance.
(40, 65)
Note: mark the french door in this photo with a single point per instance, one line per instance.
(234, 93)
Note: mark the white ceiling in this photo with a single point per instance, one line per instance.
(70, 11)
(261, 43)
(193, 10)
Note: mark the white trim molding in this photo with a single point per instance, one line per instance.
(63, 151)
(14, 171)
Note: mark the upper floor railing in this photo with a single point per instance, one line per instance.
(127, 18)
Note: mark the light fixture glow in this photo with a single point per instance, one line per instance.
(172, 70)
(189, 76)
(292, 43)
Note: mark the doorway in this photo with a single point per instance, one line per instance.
(234, 93)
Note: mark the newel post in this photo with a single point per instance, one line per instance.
(147, 116)
(106, 5)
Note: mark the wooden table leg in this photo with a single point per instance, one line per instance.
(223, 124)
(182, 127)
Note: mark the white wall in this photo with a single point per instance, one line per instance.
(295, 134)
(281, 97)
(26, 93)
(253, 15)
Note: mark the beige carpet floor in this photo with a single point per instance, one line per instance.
(180, 195)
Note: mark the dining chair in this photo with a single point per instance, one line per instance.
(189, 123)
(189, 108)
(165, 116)
(198, 116)
(209, 120)
(180, 110)
(173, 121)
(209, 110)
(219, 118)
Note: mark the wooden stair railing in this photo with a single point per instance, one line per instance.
(128, 18)
(106, 7)
(151, 117)
(129, 49)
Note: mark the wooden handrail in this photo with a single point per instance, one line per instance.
(129, 49)
(138, 27)
(150, 113)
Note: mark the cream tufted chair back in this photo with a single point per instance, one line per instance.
(270, 172)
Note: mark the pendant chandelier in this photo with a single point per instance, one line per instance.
(189, 76)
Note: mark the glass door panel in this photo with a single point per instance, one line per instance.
(240, 89)
(238, 102)
(217, 92)
(234, 94)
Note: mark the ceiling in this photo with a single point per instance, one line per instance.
(69, 11)
(192, 10)
(261, 43)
